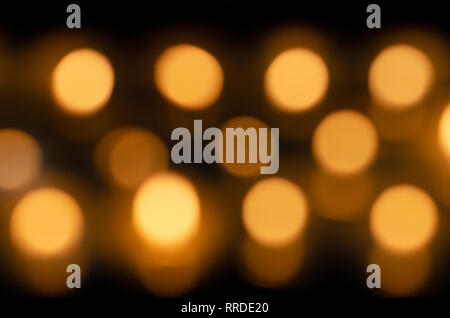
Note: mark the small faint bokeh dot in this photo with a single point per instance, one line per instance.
(166, 210)
(135, 155)
(403, 219)
(444, 131)
(274, 212)
(296, 80)
(189, 76)
(20, 159)
(345, 142)
(82, 82)
(46, 222)
(400, 76)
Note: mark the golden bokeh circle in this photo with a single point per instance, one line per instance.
(400, 76)
(444, 131)
(166, 210)
(345, 142)
(274, 212)
(296, 80)
(46, 222)
(82, 82)
(403, 219)
(189, 76)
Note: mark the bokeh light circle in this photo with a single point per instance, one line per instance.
(444, 131)
(403, 219)
(134, 155)
(296, 80)
(400, 76)
(46, 222)
(20, 159)
(82, 82)
(345, 142)
(275, 212)
(166, 210)
(189, 76)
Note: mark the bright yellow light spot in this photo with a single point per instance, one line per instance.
(274, 212)
(135, 155)
(444, 131)
(296, 80)
(189, 76)
(400, 76)
(345, 142)
(403, 219)
(20, 159)
(83, 81)
(46, 222)
(166, 210)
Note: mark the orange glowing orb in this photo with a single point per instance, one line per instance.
(400, 76)
(166, 210)
(345, 142)
(274, 212)
(20, 159)
(444, 131)
(46, 222)
(82, 82)
(296, 80)
(189, 76)
(403, 219)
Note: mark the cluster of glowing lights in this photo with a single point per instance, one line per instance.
(20, 159)
(46, 222)
(82, 82)
(345, 142)
(189, 76)
(275, 212)
(166, 207)
(444, 131)
(296, 80)
(400, 76)
(403, 219)
(166, 210)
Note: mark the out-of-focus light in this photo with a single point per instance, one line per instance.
(296, 80)
(247, 168)
(134, 155)
(402, 274)
(341, 198)
(82, 82)
(46, 222)
(403, 219)
(272, 267)
(400, 76)
(345, 142)
(189, 76)
(274, 212)
(444, 131)
(20, 159)
(166, 210)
